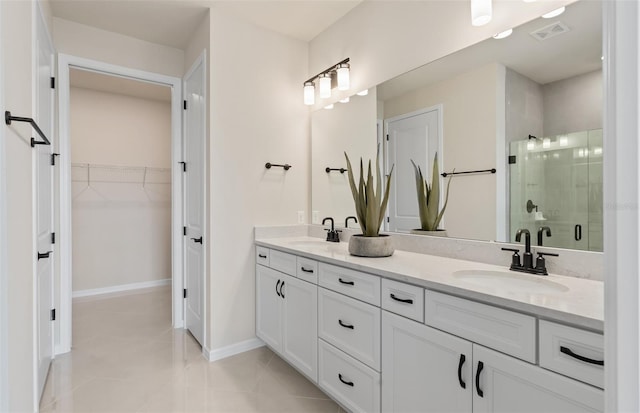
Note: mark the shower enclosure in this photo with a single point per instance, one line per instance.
(556, 182)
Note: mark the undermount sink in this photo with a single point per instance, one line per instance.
(512, 282)
(319, 244)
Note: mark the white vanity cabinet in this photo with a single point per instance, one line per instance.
(286, 318)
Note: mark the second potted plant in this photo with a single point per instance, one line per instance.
(429, 201)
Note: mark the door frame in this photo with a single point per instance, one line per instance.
(4, 319)
(439, 108)
(65, 63)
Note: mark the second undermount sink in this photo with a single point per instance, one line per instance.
(511, 282)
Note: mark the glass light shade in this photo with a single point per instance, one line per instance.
(363, 92)
(325, 86)
(309, 93)
(343, 76)
(554, 13)
(481, 12)
(503, 34)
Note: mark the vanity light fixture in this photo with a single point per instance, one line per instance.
(554, 13)
(345, 100)
(481, 12)
(503, 34)
(363, 92)
(337, 74)
(309, 93)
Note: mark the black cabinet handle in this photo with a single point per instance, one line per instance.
(348, 383)
(277, 284)
(480, 367)
(345, 325)
(463, 358)
(570, 353)
(197, 240)
(44, 255)
(408, 300)
(346, 282)
(281, 293)
(306, 270)
(262, 256)
(577, 232)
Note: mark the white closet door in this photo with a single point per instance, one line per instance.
(194, 158)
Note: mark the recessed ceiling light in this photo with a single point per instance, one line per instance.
(329, 106)
(345, 100)
(503, 34)
(554, 13)
(363, 92)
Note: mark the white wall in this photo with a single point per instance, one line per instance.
(257, 115)
(349, 127)
(89, 42)
(121, 231)
(469, 139)
(524, 105)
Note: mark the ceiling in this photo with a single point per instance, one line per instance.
(120, 85)
(569, 54)
(172, 22)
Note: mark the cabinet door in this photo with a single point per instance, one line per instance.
(300, 325)
(269, 306)
(505, 384)
(423, 369)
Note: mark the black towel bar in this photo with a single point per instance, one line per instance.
(341, 170)
(492, 170)
(286, 166)
(8, 118)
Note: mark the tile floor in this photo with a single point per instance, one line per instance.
(127, 358)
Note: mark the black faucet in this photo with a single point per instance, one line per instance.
(346, 221)
(332, 234)
(541, 230)
(527, 257)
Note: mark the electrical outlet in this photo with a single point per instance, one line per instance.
(315, 217)
(300, 217)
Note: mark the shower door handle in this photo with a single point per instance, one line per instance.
(198, 240)
(577, 232)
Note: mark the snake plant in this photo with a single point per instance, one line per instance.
(370, 204)
(429, 197)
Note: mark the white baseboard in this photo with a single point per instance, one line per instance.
(121, 288)
(232, 350)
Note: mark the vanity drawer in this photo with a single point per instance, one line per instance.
(354, 385)
(364, 287)
(403, 299)
(283, 262)
(503, 330)
(262, 256)
(307, 269)
(350, 325)
(573, 352)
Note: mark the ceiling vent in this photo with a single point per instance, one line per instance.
(552, 30)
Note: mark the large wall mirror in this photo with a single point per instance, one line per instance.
(525, 111)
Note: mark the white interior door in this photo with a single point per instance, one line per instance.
(194, 158)
(44, 204)
(415, 136)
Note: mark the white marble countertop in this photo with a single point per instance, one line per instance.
(581, 304)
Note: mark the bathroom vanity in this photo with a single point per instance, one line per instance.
(416, 332)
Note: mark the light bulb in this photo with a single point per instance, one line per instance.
(343, 76)
(325, 85)
(503, 34)
(480, 12)
(363, 92)
(554, 13)
(309, 93)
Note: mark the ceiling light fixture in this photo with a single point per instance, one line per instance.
(363, 92)
(329, 106)
(554, 13)
(503, 34)
(480, 12)
(336, 75)
(345, 100)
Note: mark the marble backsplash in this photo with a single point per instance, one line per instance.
(572, 263)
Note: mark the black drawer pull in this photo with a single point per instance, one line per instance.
(570, 353)
(345, 325)
(346, 282)
(348, 383)
(463, 358)
(262, 256)
(281, 293)
(408, 300)
(306, 270)
(277, 285)
(44, 255)
(197, 240)
(480, 367)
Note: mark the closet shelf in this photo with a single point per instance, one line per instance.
(94, 173)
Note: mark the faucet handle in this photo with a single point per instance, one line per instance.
(541, 264)
(515, 259)
(514, 250)
(549, 254)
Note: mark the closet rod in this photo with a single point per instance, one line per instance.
(8, 118)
